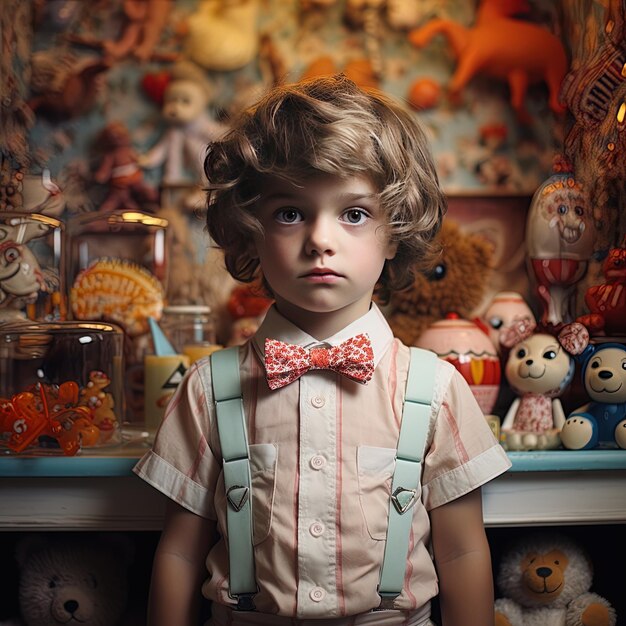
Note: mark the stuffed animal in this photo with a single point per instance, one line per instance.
(456, 284)
(64, 89)
(145, 20)
(544, 580)
(119, 169)
(602, 421)
(539, 369)
(189, 128)
(500, 46)
(73, 579)
(221, 35)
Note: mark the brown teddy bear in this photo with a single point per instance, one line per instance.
(456, 284)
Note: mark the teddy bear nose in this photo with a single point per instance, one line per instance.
(529, 361)
(604, 374)
(71, 606)
(544, 572)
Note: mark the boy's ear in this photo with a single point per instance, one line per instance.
(392, 250)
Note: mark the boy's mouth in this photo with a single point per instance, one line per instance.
(322, 271)
(322, 274)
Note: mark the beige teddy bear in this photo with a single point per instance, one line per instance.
(545, 580)
(73, 579)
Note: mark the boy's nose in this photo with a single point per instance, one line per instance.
(320, 239)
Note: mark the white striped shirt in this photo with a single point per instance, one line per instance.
(322, 453)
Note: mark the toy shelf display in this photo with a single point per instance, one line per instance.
(97, 490)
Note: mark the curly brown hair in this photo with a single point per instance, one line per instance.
(326, 126)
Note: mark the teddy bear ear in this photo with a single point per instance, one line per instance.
(574, 338)
(27, 546)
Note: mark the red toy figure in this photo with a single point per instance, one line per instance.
(120, 170)
(607, 302)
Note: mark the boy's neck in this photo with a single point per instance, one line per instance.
(321, 326)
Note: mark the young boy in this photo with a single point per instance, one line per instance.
(327, 193)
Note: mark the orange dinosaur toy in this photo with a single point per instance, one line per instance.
(500, 46)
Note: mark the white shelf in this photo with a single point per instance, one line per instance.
(99, 491)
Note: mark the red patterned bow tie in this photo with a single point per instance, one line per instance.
(285, 363)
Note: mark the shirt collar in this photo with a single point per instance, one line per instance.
(275, 326)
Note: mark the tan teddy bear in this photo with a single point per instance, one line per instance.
(545, 580)
(457, 284)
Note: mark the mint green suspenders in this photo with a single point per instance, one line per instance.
(233, 434)
(406, 485)
(405, 489)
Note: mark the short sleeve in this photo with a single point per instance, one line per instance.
(181, 463)
(463, 453)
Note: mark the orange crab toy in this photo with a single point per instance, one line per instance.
(47, 410)
(23, 420)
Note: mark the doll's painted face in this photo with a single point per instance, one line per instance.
(539, 365)
(183, 102)
(605, 376)
(20, 273)
(324, 246)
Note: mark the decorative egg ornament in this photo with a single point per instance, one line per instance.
(471, 351)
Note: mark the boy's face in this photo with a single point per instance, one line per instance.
(323, 248)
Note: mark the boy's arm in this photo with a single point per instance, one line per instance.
(179, 568)
(463, 562)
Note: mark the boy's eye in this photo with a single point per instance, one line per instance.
(354, 216)
(288, 216)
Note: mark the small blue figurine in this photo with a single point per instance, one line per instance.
(600, 423)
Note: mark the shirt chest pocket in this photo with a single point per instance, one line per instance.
(375, 468)
(263, 458)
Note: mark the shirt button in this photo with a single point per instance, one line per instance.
(317, 462)
(317, 594)
(318, 402)
(317, 529)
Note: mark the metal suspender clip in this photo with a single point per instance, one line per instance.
(386, 601)
(245, 602)
(403, 499)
